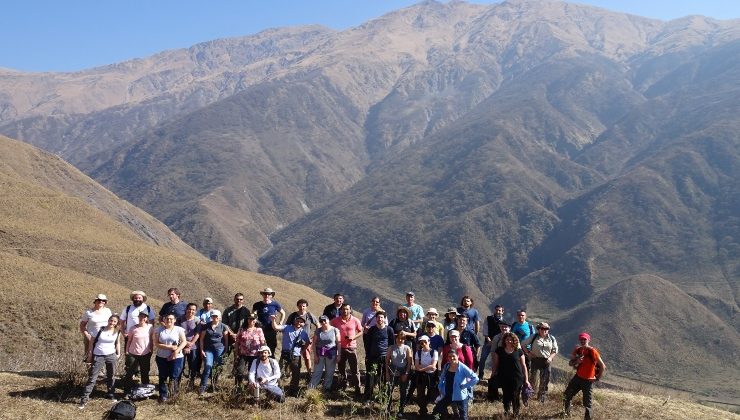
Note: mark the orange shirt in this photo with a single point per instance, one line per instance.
(587, 368)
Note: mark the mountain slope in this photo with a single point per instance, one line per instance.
(57, 252)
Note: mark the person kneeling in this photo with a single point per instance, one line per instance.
(264, 375)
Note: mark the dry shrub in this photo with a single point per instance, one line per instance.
(313, 402)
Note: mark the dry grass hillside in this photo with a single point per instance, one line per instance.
(57, 252)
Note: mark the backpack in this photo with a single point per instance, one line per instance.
(122, 410)
(149, 311)
(141, 392)
(418, 353)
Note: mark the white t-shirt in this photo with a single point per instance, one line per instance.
(427, 358)
(106, 343)
(132, 317)
(95, 320)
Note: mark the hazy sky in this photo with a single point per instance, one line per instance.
(67, 35)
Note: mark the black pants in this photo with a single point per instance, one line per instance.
(293, 365)
(403, 387)
(512, 390)
(133, 363)
(579, 384)
(243, 364)
(375, 373)
(426, 389)
(349, 356)
(271, 340)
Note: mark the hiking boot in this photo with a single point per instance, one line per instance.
(541, 398)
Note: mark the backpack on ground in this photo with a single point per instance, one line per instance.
(122, 410)
(142, 392)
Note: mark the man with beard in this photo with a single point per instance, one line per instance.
(235, 316)
(175, 306)
(264, 374)
(589, 369)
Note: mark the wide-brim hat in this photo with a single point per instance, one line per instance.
(137, 292)
(432, 311)
(451, 310)
(405, 309)
(265, 348)
(267, 291)
(102, 297)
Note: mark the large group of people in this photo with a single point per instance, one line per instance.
(440, 361)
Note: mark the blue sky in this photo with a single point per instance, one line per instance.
(56, 35)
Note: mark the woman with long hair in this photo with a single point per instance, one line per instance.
(105, 349)
(511, 371)
(249, 340)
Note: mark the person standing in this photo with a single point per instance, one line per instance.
(169, 339)
(449, 322)
(326, 349)
(204, 313)
(368, 320)
(93, 319)
(105, 349)
(334, 309)
(511, 372)
(523, 329)
(191, 351)
(130, 317)
(463, 351)
(469, 337)
(416, 312)
(589, 369)
(267, 309)
(402, 325)
(311, 321)
(543, 348)
(350, 329)
(496, 342)
(235, 317)
(249, 341)
(213, 339)
(138, 352)
(466, 308)
(398, 364)
(426, 360)
(456, 382)
(432, 316)
(294, 338)
(491, 330)
(380, 336)
(175, 306)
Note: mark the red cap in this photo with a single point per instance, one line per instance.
(584, 335)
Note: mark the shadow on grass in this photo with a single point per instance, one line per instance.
(57, 392)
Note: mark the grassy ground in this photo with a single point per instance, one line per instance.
(33, 395)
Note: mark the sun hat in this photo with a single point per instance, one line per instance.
(265, 348)
(101, 296)
(432, 311)
(267, 291)
(137, 292)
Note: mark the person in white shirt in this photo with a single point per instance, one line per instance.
(105, 350)
(264, 375)
(93, 319)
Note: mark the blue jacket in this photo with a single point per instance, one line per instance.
(465, 380)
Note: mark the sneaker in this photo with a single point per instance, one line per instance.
(82, 404)
(111, 396)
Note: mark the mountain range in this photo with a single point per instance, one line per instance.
(535, 153)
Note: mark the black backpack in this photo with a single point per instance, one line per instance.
(122, 410)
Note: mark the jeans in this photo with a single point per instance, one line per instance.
(349, 356)
(133, 363)
(213, 356)
(460, 406)
(579, 384)
(109, 361)
(168, 369)
(484, 353)
(193, 362)
(326, 367)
